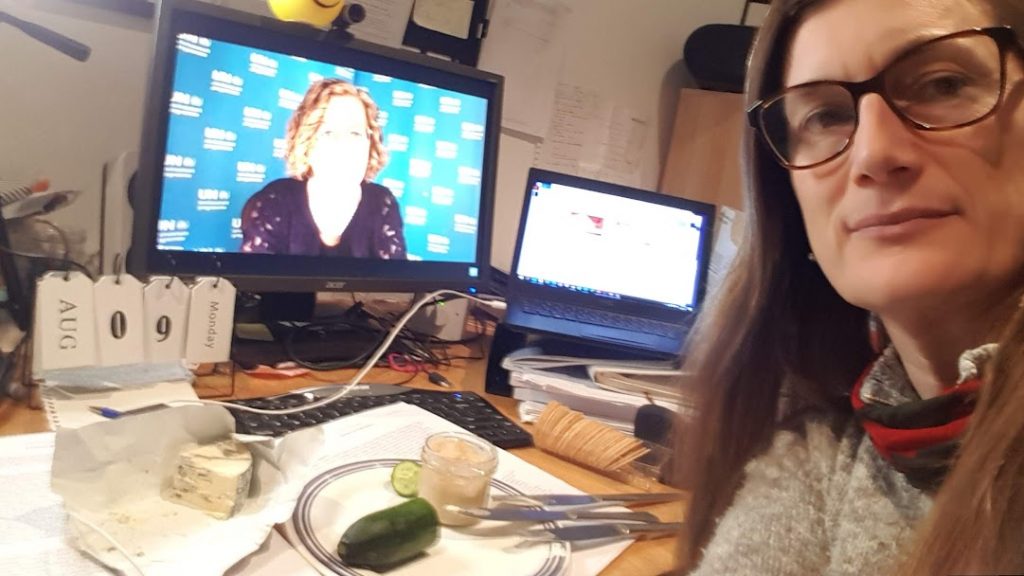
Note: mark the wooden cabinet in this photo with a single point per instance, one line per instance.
(703, 161)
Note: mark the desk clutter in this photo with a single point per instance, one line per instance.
(575, 392)
(167, 489)
(115, 344)
(174, 491)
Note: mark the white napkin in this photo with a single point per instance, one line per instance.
(111, 473)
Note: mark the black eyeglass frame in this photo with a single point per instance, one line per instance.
(1004, 36)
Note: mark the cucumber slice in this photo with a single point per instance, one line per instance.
(405, 478)
(390, 537)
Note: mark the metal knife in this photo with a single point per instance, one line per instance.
(535, 515)
(589, 500)
(615, 531)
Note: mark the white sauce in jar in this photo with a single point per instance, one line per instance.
(457, 471)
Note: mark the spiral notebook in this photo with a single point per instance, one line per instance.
(69, 408)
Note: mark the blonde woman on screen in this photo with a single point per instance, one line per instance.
(329, 206)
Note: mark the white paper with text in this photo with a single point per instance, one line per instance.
(32, 519)
(526, 43)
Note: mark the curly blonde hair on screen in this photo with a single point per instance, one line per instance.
(309, 116)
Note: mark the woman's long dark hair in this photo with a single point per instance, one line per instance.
(778, 338)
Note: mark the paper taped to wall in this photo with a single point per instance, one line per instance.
(593, 137)
(526, 44)
(385, 21)
(728, 231)
(451, 17)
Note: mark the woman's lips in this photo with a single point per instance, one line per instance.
(897, 222)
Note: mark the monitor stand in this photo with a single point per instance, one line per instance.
(268, 324)
(286, 306)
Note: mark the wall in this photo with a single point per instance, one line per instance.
(627, 62)
(64, 119)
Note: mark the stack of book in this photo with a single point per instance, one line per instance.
(609, 391)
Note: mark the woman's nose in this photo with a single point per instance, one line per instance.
(884, 150)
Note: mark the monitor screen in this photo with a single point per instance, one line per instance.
(609, 245)
(290, 162)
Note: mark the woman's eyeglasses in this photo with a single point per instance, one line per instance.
(944, 83)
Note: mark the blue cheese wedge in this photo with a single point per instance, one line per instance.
(213, 478)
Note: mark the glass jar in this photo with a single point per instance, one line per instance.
(457, 471)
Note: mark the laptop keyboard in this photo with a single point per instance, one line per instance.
(466, 409)
(601, 318)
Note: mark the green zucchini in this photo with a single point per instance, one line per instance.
(391, 536)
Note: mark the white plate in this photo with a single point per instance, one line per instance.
(335, 499)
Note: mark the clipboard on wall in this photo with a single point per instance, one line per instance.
(452, 28)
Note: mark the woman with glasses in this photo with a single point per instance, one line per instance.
(330, 206)
(865, 358)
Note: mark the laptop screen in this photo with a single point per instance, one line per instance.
(611, 246)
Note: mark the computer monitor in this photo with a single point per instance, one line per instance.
(290, 162)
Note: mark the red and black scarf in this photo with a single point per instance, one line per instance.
(919, 438)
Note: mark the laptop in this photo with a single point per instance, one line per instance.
(609, 264)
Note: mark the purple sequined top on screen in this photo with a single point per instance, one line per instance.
(277, 220)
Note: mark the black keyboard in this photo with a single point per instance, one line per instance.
(601, 318)
(465, 409)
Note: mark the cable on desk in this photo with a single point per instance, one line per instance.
(67, 262)
(410, 347)
(110, 539)
(324, 326)
(402, 382)
(15, 371)
(370, 363)
(428, 343)
(65, 245)
(409, 344)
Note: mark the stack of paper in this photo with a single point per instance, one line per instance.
(605, 390)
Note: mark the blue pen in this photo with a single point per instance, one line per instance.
(106, 412)
(112, 413)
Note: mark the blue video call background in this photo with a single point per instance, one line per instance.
(230, 107)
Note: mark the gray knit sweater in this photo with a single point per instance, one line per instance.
(822, 502)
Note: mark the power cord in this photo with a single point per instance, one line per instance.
(65, 261)
(110, 540)
(410, 348)
(64, 243)
(359, 324)
(326, 326)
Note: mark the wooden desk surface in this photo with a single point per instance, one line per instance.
(641, 559)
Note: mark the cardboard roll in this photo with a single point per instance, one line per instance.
(716, 56)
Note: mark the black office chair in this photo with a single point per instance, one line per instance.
(716, 56)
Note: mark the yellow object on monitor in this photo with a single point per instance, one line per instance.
(319, 13)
